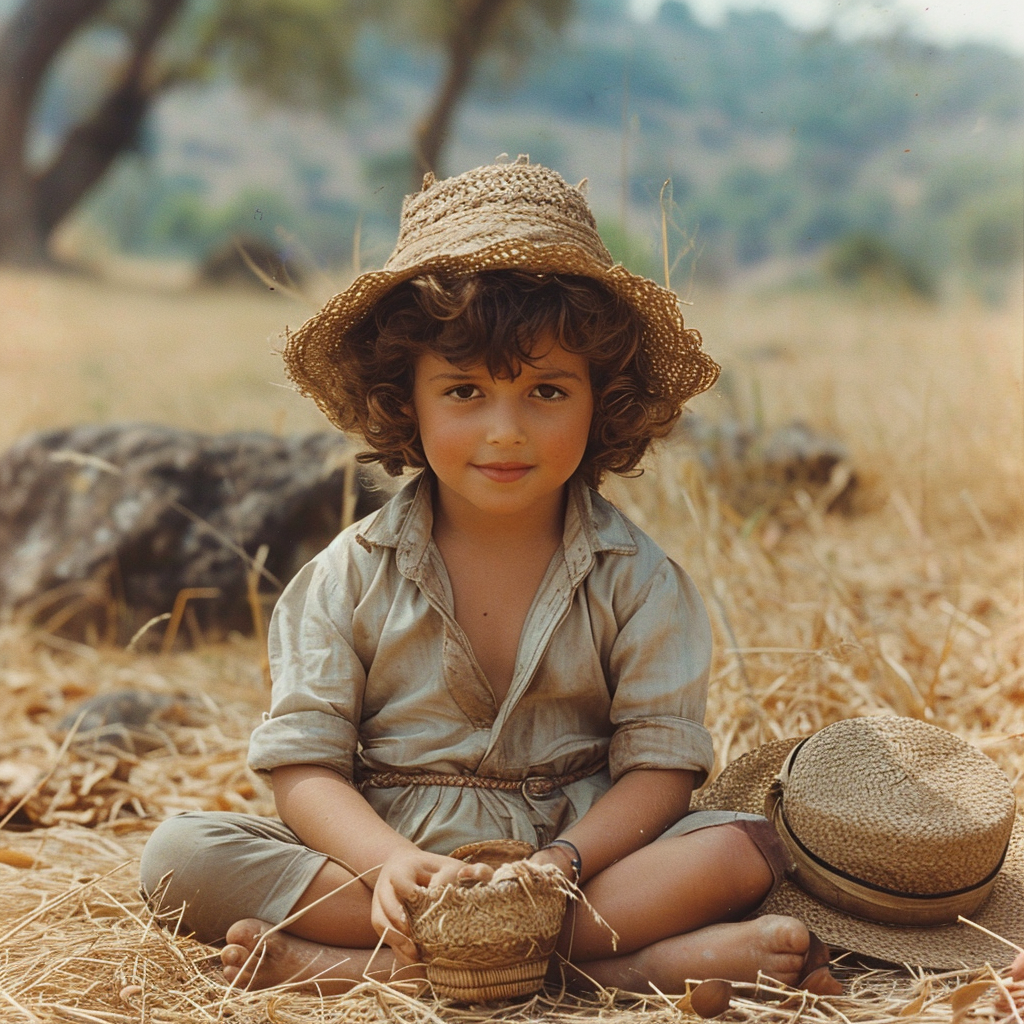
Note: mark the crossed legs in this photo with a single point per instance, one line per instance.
(677, 906)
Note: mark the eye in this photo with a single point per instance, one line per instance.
(548, 392)
(464, 392)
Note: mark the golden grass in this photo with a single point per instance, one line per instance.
(914, 604)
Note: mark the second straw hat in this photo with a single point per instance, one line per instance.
(503, 216)
(894, 829)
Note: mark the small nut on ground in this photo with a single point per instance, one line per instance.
(129, 992)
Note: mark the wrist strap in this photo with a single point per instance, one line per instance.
(577, 861)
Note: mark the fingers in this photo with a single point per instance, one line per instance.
(390, 922)
(474, 873)
(397, 879)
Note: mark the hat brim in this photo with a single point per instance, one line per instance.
(742, 786)
(678, 362)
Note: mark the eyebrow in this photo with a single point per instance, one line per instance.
(541, 375)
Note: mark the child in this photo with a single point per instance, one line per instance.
(498, 652)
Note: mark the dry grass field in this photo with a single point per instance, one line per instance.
(911, 602)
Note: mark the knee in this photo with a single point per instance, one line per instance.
(167, 849)
(749, 868)
(178, 875)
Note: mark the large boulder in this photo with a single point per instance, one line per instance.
(759, 470)
(102, 527)
(251, 262)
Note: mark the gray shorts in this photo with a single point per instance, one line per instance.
(204, 870)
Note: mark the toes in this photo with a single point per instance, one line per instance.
(1017, 968)
(787, 935)
(233, 956)
(246, 932)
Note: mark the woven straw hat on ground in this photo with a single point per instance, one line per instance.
(492, 940)
(510, 216)
(894, 828)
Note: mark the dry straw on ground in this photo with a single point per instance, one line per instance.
(912, 604)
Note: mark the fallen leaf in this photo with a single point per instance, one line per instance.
(914, 1006)
(16, 858)
(964, 997)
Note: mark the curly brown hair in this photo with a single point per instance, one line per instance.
(493, 318)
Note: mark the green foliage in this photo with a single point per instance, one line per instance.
(634, 252)
(782, 145)
(140, 210)
(863, 259)
(994, 240)
(295, 51)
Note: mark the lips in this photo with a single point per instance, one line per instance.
(504, 472)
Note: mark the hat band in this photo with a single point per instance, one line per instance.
(864, 899)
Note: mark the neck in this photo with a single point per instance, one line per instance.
(541, 524)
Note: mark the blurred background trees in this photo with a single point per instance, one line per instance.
(291, 52)
(790, 154)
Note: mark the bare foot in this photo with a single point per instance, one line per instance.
(772, 945)
(253, 959)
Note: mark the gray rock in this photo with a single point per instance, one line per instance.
(101, 527)
(130, 720)
(757, 469)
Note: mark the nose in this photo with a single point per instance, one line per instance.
(505, 425)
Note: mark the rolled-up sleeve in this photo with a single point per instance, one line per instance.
(318, 679)
(659, 666)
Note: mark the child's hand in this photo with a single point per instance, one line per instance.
(559, 856)
(399, 875)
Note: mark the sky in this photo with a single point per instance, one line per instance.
(944, 21)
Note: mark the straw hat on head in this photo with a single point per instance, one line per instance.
(893, 828)
(504, 216)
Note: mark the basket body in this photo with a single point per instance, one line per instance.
(490, 941)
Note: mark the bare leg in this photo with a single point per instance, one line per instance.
(678, 907)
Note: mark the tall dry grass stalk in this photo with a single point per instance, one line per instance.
(912, 604)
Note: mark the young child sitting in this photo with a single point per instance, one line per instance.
(498, 652)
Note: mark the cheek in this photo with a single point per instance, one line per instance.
(439, 436)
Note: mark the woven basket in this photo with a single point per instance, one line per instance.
(483, 942)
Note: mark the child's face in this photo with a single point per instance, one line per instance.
(504, 447)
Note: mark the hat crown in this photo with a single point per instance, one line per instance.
(504, 216)
(900, 804)
(493, 204)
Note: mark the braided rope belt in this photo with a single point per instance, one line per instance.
(531, 786)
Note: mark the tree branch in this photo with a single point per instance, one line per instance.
(92, 146)
(466, 42)
(35, 34)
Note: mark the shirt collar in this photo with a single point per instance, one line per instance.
(592, 526)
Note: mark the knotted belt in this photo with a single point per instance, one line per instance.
(531, 786)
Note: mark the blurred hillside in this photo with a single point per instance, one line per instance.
(786, 152)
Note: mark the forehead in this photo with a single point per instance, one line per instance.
(546, 357)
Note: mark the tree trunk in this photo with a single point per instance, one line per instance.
(34, 36)
(92, 146)
(468, 39)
